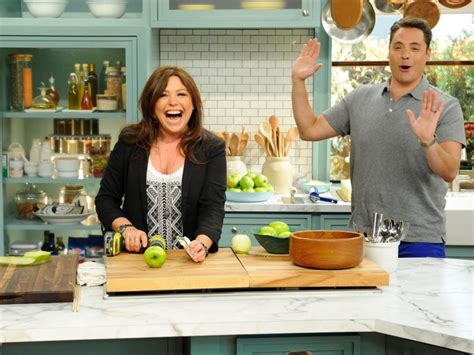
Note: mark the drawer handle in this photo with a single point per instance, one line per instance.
(305, 14)
(234, 230)
(298, 353)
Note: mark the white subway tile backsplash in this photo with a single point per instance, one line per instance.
(244, 77)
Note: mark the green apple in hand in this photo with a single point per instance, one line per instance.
(279, 227)
(155, 256)
(267, 230)
(241, 243)
(260, 180)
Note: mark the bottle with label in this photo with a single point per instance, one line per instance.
(73, 92)
(52, 92)
(35, 151)
(93, 84)
(27, 81)
(86, 103)
(42, 101)
(80, 78)
(46, 152)
(59, 246)
(103, 78)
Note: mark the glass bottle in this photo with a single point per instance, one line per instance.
(80, 86)
(124, 88)
(27, 81)
(103, 77)
(48, 242)
(35, 151)
(114, 84)
(86, 103)
(93, 84)
(43, 101)
(73, 92)
(59, 246)
(52, 92)
(16, 81)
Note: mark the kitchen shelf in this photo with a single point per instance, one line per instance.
(12, 223)
(113, 115)
(52, 180)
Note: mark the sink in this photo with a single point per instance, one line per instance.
(297, 200)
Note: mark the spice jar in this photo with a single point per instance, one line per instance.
(16, 81)
(29, 200)
(99, 161)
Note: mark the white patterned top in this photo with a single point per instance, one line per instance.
(163, 197)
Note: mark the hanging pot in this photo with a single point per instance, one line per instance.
(387, 6)
(397, 2)
(346, 13)
(454, 4)
(425, 9)
(356, 34)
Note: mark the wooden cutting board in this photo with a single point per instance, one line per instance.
(43, 283)
(279, 271)
(128, 273)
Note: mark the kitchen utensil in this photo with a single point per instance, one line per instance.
(322, 249)
(266, 130)
(454, 4)
(261, 141)
(184, 242)
(354, 35)
(315, 197)
(273, 120)
(291, 135)
(227, 142)
(425, 9)
(386, 6)
(244, 139)
(377, 222)
(272, 244)
(384, 230)
(234, 144)
(346, 13)
(292, 194)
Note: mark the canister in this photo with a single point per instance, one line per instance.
(16, 81)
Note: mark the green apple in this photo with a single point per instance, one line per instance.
(267, 230)
(233, 180)
(260, 189)
(285, 234)
(260, 180)
(40, 256)
(249, 189)
(279, 227)
(269, 188)
(155, 256)
(234, 189)
(241, 243)
(246, 182)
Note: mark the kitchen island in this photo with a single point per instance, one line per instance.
(428, 301)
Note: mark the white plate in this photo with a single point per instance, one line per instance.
(64, 219)
(248, 196)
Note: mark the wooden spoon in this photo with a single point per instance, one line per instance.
(273, 120)
(244, 139)
(234, 144)
(266, 130)
(227, 142)
(291, 135)
(261, 142)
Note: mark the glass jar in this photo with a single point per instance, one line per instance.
(27, 81)
(99, 161)
(73, 195)
(28, 200)
(16, 62)
(114, 81)
(42, 101)
(279, 172)
(16, 155)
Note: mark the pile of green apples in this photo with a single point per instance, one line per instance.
(249, 182)
(276, 229)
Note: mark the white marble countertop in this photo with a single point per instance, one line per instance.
(428, 300)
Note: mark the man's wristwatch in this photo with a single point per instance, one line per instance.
(122, 227)
(429, 144)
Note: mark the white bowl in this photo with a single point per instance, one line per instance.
(46, 8)
(67, 164)
(107, 8)
(31, 169)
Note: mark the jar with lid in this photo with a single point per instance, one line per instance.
(27, 81)
(73, 195)
(114, 80)
(16, 62)
(46, 151)
(42, 101)
(16, 156)
(28, 200)
(99, 161)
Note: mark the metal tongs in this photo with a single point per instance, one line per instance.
(184, 242)
(315, 197)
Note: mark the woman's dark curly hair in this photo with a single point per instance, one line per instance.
(145, 132)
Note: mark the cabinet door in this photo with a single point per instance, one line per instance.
(320, 345)
(235, 14)
(337, 221)
(244, 222)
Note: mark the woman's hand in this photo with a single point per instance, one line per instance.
(135, 239)
(424, 126)
(305, 65)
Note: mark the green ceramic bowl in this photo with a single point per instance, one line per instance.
(272, 244)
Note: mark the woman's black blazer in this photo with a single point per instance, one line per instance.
(122, 190)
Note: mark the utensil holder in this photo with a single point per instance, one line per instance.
(279, 172)
(384, 255)
(235, 165)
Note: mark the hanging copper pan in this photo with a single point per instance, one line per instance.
(454, 4)
(346, 13)
(425, 9)
(397, 2)
(386, 6)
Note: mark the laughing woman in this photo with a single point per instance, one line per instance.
(167, 174)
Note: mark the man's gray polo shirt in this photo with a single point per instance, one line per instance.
(389, 171)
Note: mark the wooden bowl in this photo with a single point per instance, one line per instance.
(331, 250)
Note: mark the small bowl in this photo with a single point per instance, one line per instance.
(107, 8)
(322, 186)
(31, 169)
(272, 244)
(67, 164)
(326, 249)
(46, 8)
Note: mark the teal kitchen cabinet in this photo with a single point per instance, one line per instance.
(235, 14)
(332, 221)
(244, 222)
